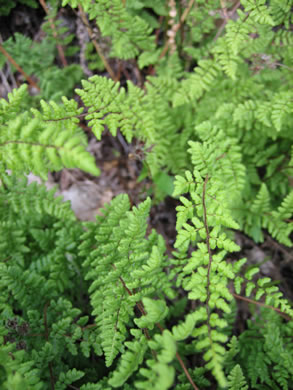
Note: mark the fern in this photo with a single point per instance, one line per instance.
(236, 380)
(100, 305)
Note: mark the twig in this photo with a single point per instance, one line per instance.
(26, 76)
(9, 72)
(177, 26)
(95, 43)
(224, 9)
(284, 315)
(55, 34)
(186, 371)
(5, 82)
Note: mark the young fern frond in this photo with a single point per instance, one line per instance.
(209, 284)
(131, 359)
(236, 379)
(202, 219)
(159, 375)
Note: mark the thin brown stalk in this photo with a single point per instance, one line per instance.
(95, 43)
(284, 315)
(55, 34)
(186, 371)
(224, 10)
(26, 76)
(178, 26)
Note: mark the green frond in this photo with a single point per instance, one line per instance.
(44, 143)
(103, 304)
(258, 11)
(195, 85)
(130, 360)
(159, 376)
(156, 311)
(122, 250)
(12, 107)
(236, 380)
(67, 378)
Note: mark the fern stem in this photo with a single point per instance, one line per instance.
(159, 326)
(186, 371)
(55, 34)
(284, 315)
(26, 76)
(95, 43)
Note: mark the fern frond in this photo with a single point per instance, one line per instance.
(131, 359)
(39, 145)
(115, 264)
(258, 11)
(236, 379)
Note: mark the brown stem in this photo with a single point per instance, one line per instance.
(224, 9)
(284, 315)
(26, 76)
(55, 34)
(177, 27)
(186, 371)
(95, 43)
(73, 387)
(159, 326)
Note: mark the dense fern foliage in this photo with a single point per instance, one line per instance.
(102, 305)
